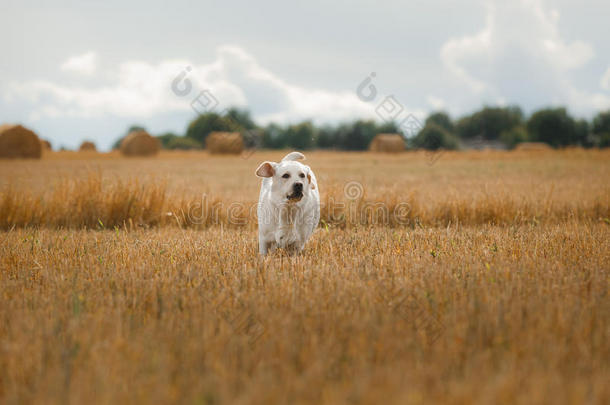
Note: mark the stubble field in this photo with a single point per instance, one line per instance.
(453, 278)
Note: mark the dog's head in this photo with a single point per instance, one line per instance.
(291, 181)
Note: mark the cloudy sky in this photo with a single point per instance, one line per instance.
(74, 70)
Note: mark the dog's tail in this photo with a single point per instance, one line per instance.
(293, 156)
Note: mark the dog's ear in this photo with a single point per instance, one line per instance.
(313, 186)
(266, 169)
(293, 156)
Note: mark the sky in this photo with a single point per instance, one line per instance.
(76, 70)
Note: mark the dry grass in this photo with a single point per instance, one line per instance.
(497, 315)
(200, 190)
(493, 307)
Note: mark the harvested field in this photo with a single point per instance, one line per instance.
(494, 290)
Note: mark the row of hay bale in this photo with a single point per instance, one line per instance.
(86, 146)
(141, 143)
(17, 141)
(394, 143)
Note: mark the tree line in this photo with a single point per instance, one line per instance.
(500, 126)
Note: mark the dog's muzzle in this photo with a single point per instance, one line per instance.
(297, 192)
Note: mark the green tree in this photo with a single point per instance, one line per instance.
(601, 123)
(241, 118)
(356, 136)
(603, 141)
(583, 133)
(441, 119)
(387, 128)
(273, 137)
(327, 137)
(553, 126)
(601, 129)
(514, 136)
(489, 123)
(300, 136)
(166, 138)
(434, 137)
(183, 143)
(201, 126)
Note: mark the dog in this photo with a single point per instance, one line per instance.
(288, 204)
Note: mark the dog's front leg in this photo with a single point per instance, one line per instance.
(282, 236)
(263, 246)
(285, 235)
(266, 242)
(300, 243)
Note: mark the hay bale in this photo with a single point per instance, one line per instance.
(532, 146)
(46, 145)
(389, 143)
(140, 143)
(17, 141)
(224, 143)
(87, 146)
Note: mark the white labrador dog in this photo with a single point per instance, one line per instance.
(288, 205)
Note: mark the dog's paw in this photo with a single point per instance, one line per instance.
(284, 239)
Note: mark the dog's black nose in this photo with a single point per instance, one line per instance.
(297, 187)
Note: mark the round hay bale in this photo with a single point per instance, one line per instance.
(228, 143)
(140, 143)
(388, 143)
(532, 146)
(46, 145)
(17, 141)
(87, 146)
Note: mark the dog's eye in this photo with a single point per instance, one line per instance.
(286, 175)
(302, 175)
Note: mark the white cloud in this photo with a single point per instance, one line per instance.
(521, 57)
(436, 103)
(605, 81)
(457, 50)
(84, 64)
(141, 89)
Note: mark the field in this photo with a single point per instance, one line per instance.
(462, 277)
